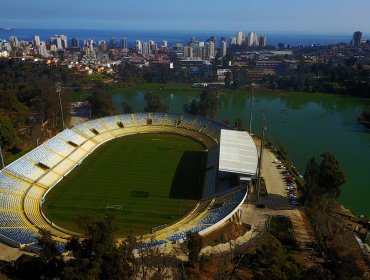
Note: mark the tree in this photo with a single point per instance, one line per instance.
(101, 103)
(331, 176)
(7, 132)
(323, 179)
(311, 179)
(127, 108)
(194, 245)
(154, 103)
(238, 124)
(206, 105)
(50, 256)
(97, 256)
(282, 150)
(227, 79)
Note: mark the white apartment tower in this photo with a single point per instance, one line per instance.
(239, 38)
(252, 39)
(223, 47)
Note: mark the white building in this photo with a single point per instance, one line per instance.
(138, 46)
(223, 48)
(252, 39)
(239, 38)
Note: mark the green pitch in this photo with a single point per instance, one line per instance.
(155, 179)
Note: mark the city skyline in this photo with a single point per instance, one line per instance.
(267, 15)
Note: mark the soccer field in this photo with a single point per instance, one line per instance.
(154, 178)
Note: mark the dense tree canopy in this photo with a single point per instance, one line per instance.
(206, 105)
(323, 179)
(154, 103)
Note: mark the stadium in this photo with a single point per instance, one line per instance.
(162, 174)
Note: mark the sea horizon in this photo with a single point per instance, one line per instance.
(293, 38)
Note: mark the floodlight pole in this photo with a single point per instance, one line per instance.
(58, 88)
(261, 153)
(251, 114)
(2, 158)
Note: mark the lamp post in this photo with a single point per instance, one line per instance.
(251, 114)
(58, 89)
(2, 158)
(261, 153)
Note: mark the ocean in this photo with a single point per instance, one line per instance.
(173, 37)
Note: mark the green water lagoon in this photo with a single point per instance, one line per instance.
(307, 124)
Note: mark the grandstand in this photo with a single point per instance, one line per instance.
(25, 182)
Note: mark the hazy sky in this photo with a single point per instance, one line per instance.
(315, 16)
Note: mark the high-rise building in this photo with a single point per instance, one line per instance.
(102, 46)
(356, 39)
(138, 46)
(239, 38)
(36, 41)
(89, 44)
(164, 44)
(13, 42)
(210, 50)
(42, 49)
(60, 41)
(146, 48)
(75, 42)
(124, 43)
(252, 39)
(153, 46)
(262, 41)
(233, 41)
(188, 52)
(112, 43)
(223, 47)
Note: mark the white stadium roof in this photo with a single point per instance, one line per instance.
(238, 152)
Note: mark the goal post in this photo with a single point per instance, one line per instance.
(114, 206)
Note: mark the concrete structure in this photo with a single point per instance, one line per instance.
(75, 42)
(223, 47)
(356, 39)
(252, 39)
(124, 43)
(60, 41)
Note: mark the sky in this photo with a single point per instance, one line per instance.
(309, 16)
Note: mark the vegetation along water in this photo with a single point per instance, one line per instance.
(307, 124)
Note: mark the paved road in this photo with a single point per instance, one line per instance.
(277, 202)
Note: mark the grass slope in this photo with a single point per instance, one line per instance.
(123, 172)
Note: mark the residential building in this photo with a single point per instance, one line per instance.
(75, 42)
(124, 43)
(223, 47)
(262, 41)
(356, 39)
(36, 41)
(239, 38)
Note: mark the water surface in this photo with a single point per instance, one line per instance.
(307, 124)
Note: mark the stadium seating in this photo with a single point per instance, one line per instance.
(25, 169)
(21, 235)
(13, 185)
(44, 156)
(95, 124)
(126, 120)
(10, 201)
(110, 122)
(24, 182)
(70, 135)
(158, 118)
(59, 146)
(141, 118)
